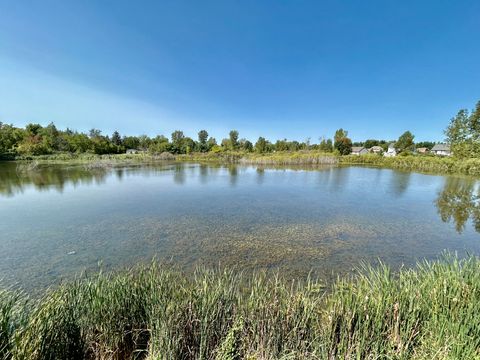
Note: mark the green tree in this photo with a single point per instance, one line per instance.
(248, 146)
(50, 137)
(474, 123)
(458, 129)
(94, 133)
(342, 143)
(226, 144)
(188, 145)
(177, 141)
(281, 145)
(202, 140)
(202, 136)
(405, 142)
(325, 145)
(33, 129)
(261, 146)
(177, 136)
(10, 137)
(159, 145)
(79, 143)
(425, 144)
(116, 138)
(144, 142)
(344, 146)
(131, 142)
(233, 137)
(245, 145)
(211, 143)
(463, 133)
(340, 134)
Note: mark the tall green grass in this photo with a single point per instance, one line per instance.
(430, 312)
(432, 164)
(422, 163)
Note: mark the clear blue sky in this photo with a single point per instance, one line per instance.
(293, 69)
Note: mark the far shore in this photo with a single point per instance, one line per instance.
(418, 163)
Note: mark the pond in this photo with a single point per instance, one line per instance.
(57, 221)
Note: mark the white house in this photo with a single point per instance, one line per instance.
(391, 152)
(376, 149)
(441, 150)
(359, 150)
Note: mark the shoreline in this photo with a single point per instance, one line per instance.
(421, 164)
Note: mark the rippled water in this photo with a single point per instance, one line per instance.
(56, 221)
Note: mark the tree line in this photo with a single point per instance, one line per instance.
(36, 139)
(463, 133)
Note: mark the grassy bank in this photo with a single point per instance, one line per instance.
(277, 158)
(430, 312)
(92, 159)
(430, 164)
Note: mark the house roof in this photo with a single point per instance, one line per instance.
(357, 148)
(422, 149)
(391, 145)
(376, 147)
(441, 147)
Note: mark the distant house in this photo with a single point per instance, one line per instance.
(422, 150)
(359, 150)
(376, 149)
(392, 151)
(132, 151)
(442, 150)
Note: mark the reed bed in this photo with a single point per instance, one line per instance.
(421, 163)
(431, 164)
(87, 158)
(291, 158)
(430, 312)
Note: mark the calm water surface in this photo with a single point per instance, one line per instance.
(57, 221)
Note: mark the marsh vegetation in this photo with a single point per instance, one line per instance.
(429, 312)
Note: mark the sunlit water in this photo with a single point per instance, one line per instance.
(58, 221)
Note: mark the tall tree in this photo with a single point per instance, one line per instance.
(116, 138)
(261, 145)
(233, 139)
(340, 134)
(325, 145)
(474, 123)
(202, 137)
(177, 141)
(247, 146)
(342, 143)
(405, 142)
(202, 140)
(94, 133)
(344, 146)
(211, 143)
(458, 129)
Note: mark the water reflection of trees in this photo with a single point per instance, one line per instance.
(459, 201)
(400, 182)
(14, 179)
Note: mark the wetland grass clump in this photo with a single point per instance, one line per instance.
(291, 158)
(430, 312)
(430, 164)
